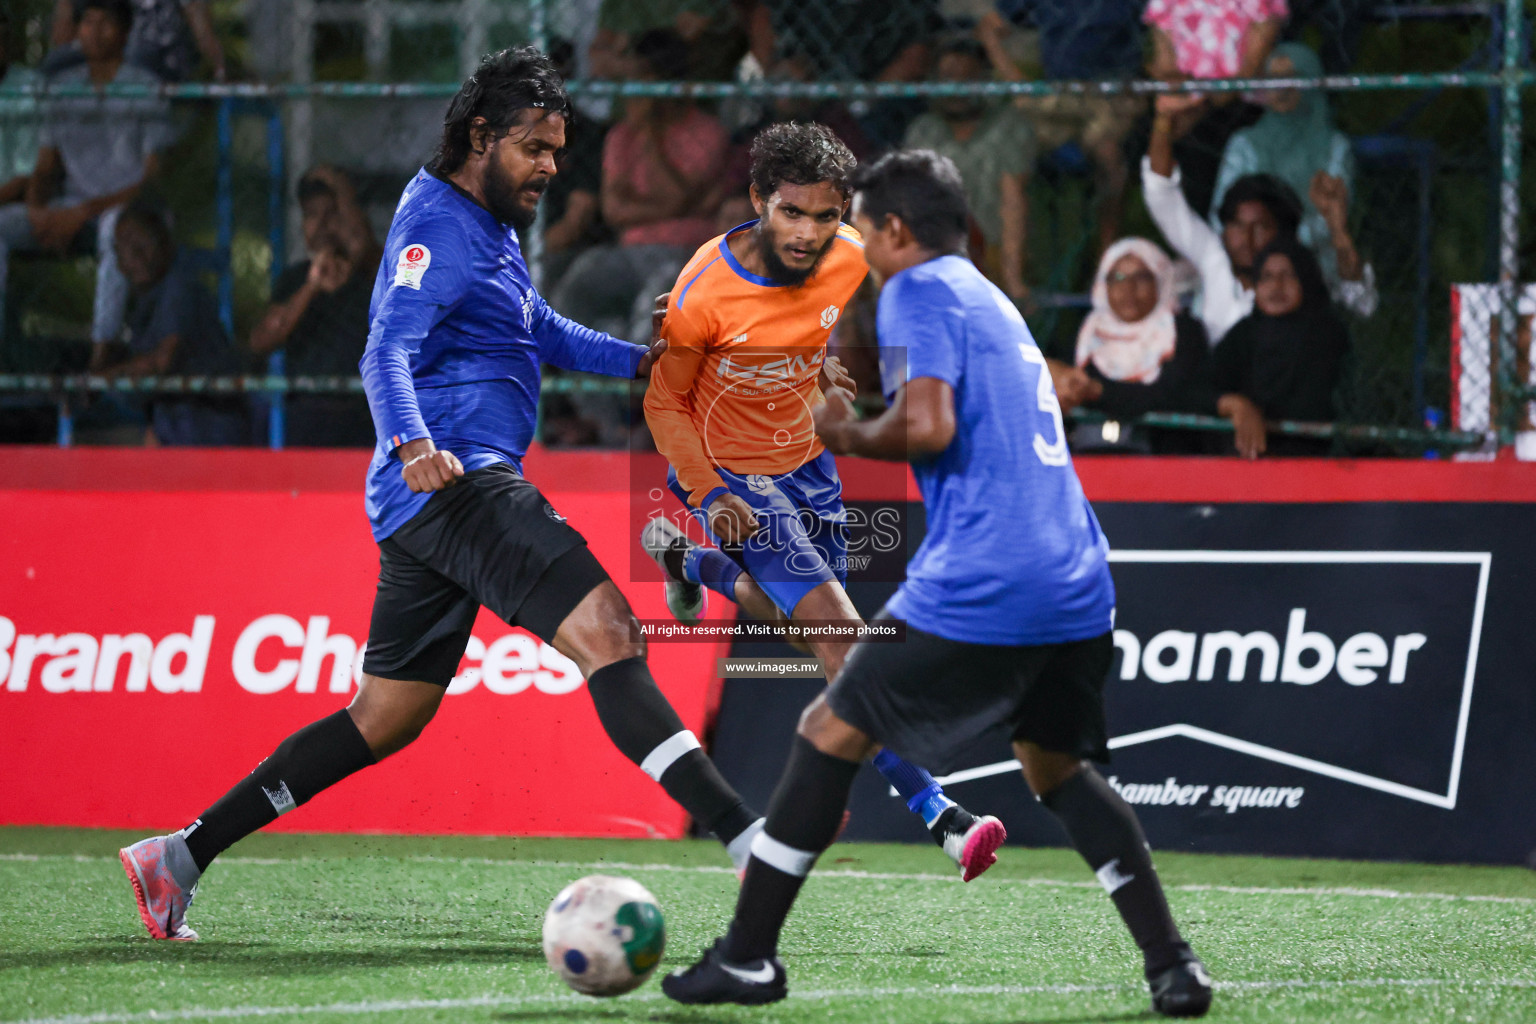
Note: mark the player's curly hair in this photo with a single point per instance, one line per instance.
(800, 154)
(924, 189)
(506, 83)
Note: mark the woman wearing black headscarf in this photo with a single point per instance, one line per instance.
(1283, 361)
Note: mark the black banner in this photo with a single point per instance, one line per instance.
(1329, 680)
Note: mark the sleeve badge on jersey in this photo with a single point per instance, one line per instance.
(412, 267)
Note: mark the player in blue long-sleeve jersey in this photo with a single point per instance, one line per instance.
(1008, 603)
(452, 374)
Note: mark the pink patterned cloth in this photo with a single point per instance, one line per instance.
(1208, 35)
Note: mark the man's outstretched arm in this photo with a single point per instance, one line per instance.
(918, 424)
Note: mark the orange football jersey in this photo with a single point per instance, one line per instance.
(737, 383)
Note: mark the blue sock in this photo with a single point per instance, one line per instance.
(713, 568)
(923, 795)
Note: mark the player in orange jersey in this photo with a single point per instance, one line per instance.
(729, 405)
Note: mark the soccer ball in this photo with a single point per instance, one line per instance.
(603, 935)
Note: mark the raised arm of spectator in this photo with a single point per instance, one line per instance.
(1185, 230)
(1014, 214)
(571, 346)
(1163, 64)
(61, 29)
(1258, 41)
(200, 20)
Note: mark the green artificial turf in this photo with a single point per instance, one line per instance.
(332, 928)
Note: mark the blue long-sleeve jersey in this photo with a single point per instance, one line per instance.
(456, 336)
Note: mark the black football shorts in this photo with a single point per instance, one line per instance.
(491, 539)
(927, 697)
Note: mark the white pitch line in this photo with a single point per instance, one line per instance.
(882, 876)
(935, 991)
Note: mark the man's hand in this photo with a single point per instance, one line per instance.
(425, 468)
(835, 375)
(1247, 424)
(327, 272)
(659, 314)
(1331, 197)
(731, 519)
(648, 360)
(831, 418)
(1074, 386)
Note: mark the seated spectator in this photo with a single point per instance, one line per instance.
(1254, 211)
(1285, 359)
(713, 35)
(994, 148)
(854, 40)
(1296, 142)
(18, 126)
(1078, 42)
(660, 189)
(173, 328)
(1135, 353)
(1211, 39)
(166, 39)
(94, 155)
(319, 313)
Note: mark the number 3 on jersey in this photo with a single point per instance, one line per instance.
(1052, 453)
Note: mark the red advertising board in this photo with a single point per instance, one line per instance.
(166, 618)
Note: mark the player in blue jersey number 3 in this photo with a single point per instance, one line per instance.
(456, 339)
(1008, 603)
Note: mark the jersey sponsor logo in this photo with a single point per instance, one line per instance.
(412, 266)
(829, 317)
(549, 510)
(772, 369)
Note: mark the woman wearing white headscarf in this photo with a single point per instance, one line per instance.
(1136, 353)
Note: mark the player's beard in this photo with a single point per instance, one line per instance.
(503, 198)
(780, 272)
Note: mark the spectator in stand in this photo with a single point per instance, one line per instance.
(1211, 39)
(319, 313)
(994, 147)
(18, 127)
(854, 40)
(1296, 142)
(173, 328)
(101, 150)
(1135, 353)
(1078, 42)
(1254, 211)
(167, 37)
(712, 32)
(661, 187)
(1285, 359)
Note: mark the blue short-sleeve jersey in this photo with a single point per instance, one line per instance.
(1013, 553)
(456, 337)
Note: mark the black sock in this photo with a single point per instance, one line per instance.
(645, 728)
(1104, 829)
(316, 757)
(803, 818)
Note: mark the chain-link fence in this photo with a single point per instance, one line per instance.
(1415, 115)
